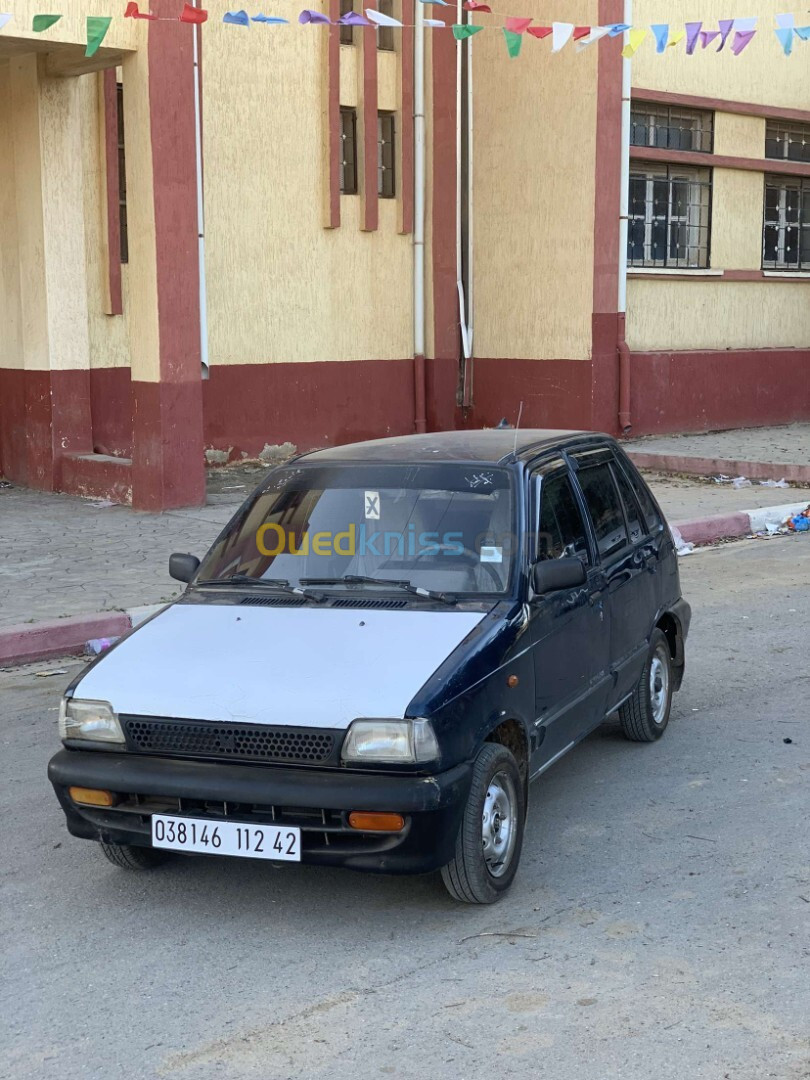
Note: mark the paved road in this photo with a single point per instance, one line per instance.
(659, 927)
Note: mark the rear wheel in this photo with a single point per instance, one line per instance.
(491, 834)
(645, 715)
(129, 857)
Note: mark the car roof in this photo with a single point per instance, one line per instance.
(490, 446)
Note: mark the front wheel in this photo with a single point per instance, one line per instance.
(491, 834)
(645, 714)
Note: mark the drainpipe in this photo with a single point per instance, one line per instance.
(200, 207)
(419, 418)
(624, 210)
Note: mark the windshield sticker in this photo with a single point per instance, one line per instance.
(480, 480)
(491, 554)
(372, 506)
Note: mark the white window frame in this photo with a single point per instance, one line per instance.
(691, 221)
(801, 187)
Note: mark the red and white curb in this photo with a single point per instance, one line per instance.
(736, 525)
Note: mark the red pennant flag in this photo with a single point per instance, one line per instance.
(133, 13)
(539, 31)
(581, 32)
(473, 5)
(517, 26)
(192, 14)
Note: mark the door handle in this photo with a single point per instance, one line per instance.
(595, 597)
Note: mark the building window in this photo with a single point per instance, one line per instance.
(386, 155)
(787, 142)
(786, 244)
(671, 128)
(122, 179)
(348, 151)
(385, 34)
(346, 32)
(670, 210)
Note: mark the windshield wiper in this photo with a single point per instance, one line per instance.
(279, 584)
(406, 586)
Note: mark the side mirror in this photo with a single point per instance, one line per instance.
(183, 567)
(551, 575)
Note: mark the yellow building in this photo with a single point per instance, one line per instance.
(120, 363)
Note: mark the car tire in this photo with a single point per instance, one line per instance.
(129, 857)
(645, 714)
(487, 855)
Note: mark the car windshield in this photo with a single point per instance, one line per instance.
(442, 527)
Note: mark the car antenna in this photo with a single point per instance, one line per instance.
(517, 427)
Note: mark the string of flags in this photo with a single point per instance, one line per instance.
(736, 33)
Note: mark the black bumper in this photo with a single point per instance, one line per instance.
(316, 800)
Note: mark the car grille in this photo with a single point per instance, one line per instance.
(235, 742)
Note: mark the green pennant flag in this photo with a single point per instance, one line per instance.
(43, 22)
(513, 42)
(464, 30)
(97, 27)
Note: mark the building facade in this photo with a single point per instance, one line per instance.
(117, 371)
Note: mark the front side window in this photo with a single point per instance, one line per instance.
(786, 241)
(443, 527)
(605, 507)
(787, 142)
(669, 216)
(562, 530)
(348, 151)
(671, 128)
(652, 518)
(632, 514)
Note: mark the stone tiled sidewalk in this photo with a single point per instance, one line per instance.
(63, 556)
(786, 445)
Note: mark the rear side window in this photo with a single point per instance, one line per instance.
(562, 530)
(648, 507)
(604, 504)
(634, 522)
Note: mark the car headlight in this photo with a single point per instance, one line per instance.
(404, 742)
(94, 720)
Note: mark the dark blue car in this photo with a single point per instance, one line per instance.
(381, 650)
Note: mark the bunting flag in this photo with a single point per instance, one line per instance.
(380, 19)
(434, 22)
(539, 31)
(741, 39)
(473, 5)
(618, 28)
(514, 40)
(785, 27)
(726, 26)
(354, 18)
(4, 19)
(273, 19)
(560, 35)
(236, 18)
(441, 3)
(707, 37)
(637, 36)
(132, 12)
(596, 34)
(580, 32)
(44, 22)
(516, 26)
(802, 31)
(97, 27)
(692, 34)
(308, 16)
(661, 35)
(676, 38)
(191, 14)
(465, 30)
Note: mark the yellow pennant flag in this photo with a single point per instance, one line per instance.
(636, 38)
(675, 38)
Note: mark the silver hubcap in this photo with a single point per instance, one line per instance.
(498, 827)
(659, 685)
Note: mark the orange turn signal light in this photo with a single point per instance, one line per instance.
(92, 796)
(376, 822)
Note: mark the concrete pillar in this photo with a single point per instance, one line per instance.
(168, 464)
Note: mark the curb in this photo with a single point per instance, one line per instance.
(27, 642)
(704, 466)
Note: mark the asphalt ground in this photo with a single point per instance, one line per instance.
(659, 926)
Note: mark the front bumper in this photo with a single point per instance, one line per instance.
(316, 800)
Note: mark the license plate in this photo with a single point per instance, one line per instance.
(281, 844)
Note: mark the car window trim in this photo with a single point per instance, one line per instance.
(613, 556)
(628, 468)
(645, 533)
(540, 471)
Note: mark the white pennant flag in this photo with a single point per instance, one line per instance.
(560, 35)
(380, 19)
(596, 34)
(434, 22)
(3, 20)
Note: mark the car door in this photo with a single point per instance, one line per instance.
(569, 628)
(628, 559)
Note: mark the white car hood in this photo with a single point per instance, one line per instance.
(301, 667)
